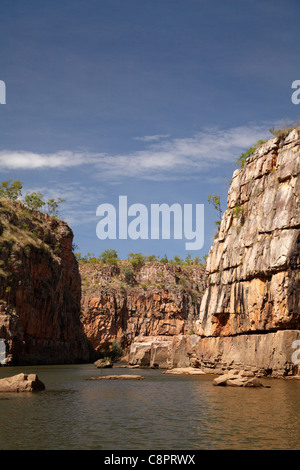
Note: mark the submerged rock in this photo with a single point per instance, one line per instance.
(237, 379)
(21, 383)
(117, 377)
(104, 363)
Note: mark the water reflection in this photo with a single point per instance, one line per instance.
(159, 412)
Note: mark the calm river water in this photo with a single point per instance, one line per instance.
(159, 412)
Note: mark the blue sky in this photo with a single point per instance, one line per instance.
(152, 99)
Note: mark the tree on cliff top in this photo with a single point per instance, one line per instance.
(33, 200)
(11, 189)
(109, 257)
(53, 204)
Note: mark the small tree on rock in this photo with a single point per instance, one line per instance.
(34, 200)
(53, 204)
(11, 189)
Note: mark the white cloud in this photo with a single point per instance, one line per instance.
(183, 157)
(167, 159)
(18, 160)
(80, 217)
(152, 138)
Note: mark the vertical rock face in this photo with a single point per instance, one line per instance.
(250, 310)
(162, 301)
(253, 265)
(252, 299)
(40, 289)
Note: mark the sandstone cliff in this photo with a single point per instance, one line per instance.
(40, 289)
(160, 300)
(250, 311)
(253, 266)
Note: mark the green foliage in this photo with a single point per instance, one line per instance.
(188, 259)
(164, 259)
(53, 204)
(152, 258)
(137, 260)
(34, 200)
(90, 258)
(177, 259)
(128, 275)
(245, 155)
(116, 351)
(285, 129)
(109, 257)
(113, 352)
(214, 199)
(11, 189)
(237, 211)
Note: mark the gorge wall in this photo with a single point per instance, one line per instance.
(157, 301)
(250, 311)
(40, 289)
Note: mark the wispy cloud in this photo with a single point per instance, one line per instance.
(76, 210)
(183, 157)
(22, 160)
(152, 138)
(160, 159)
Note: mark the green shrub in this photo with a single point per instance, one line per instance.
(53, 206)
(11, 189)
(137, 260)
(116, 350)
(152, 258)
(34, 200)
(215, 200)
(237, 211)
(285, 129)
(109, 257)
(128, 275)
(245, 155)
(164, 260)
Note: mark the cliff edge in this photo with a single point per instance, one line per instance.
(40, 289)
